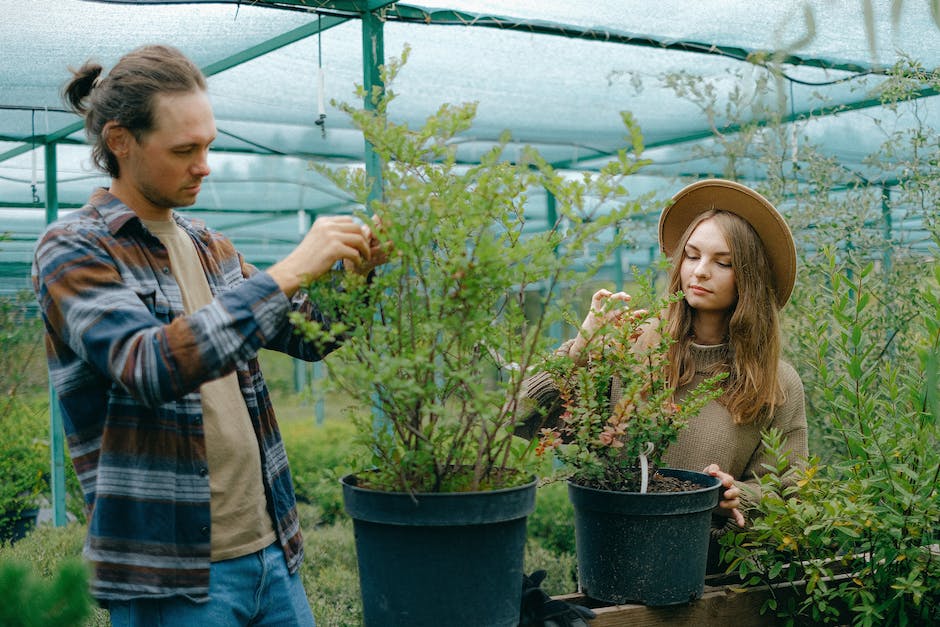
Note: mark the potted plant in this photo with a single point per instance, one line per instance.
(438, 342)
(641, 530)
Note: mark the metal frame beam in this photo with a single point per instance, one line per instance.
(800, 116)
(349, 8)
(233, 60)
(451, 17)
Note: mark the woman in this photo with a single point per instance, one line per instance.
(734, 261)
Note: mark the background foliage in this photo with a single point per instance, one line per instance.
(854, 536)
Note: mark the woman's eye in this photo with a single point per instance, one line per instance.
(724, 264)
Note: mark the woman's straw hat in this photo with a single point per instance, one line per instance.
(742, 201)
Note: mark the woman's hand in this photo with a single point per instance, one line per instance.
(604, 313)
(731, 495)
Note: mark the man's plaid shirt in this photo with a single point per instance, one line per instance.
(126, 365)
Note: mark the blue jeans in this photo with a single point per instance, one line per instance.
(254, 590)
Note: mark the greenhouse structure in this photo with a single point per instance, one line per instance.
(829, 108)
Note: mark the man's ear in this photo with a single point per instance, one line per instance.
(117, 138)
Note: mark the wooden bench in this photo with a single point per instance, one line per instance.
(721, 605)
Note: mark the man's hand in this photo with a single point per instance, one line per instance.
(378, 250)
(330, 239)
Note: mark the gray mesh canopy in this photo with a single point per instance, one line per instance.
(555, 74)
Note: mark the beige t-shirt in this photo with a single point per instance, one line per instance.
(240, 520)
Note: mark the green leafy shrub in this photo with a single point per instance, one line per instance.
(22, 369)
(24, 453)
(861, 531)
(319, 455)
(50, 555)
(603, 447)
(29, 601)
(24, 462)
(561, 569)
(330, 572)
(551, 525)
(429, 339)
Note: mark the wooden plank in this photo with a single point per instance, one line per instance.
(719, 606)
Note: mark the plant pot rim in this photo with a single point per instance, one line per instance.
(438, 508)
(712, 484)
(349, 481)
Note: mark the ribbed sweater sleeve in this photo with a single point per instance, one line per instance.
(539, 401)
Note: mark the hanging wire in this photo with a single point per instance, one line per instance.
(794, 148)
(321, 97)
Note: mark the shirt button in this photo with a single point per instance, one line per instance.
(166, 269)
(203, 471)
(197, 420)
(204, 530)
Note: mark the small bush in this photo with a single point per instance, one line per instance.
(861, 531)
(552, 523)
(319, 455)
(330, 572)
(24, 461)
(56, 586)
(30, 601)
(561, 568)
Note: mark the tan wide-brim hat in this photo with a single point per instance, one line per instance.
(742, 201)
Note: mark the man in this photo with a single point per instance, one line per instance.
(153, 324)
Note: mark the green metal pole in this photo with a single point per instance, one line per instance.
(551, 217)
(320, 406)
(300, 375)
(56, 431)
(373, 57)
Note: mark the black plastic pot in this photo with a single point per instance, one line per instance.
(452, 559)
(18, 524)
(644, 548)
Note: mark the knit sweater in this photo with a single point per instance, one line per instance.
(711, 436)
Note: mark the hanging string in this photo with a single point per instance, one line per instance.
(36, 199)
(794, 152)
(321, 96)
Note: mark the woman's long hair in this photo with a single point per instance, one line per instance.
(751, 389)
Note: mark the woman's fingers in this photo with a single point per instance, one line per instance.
(731, 494)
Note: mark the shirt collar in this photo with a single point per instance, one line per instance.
(117, 215)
